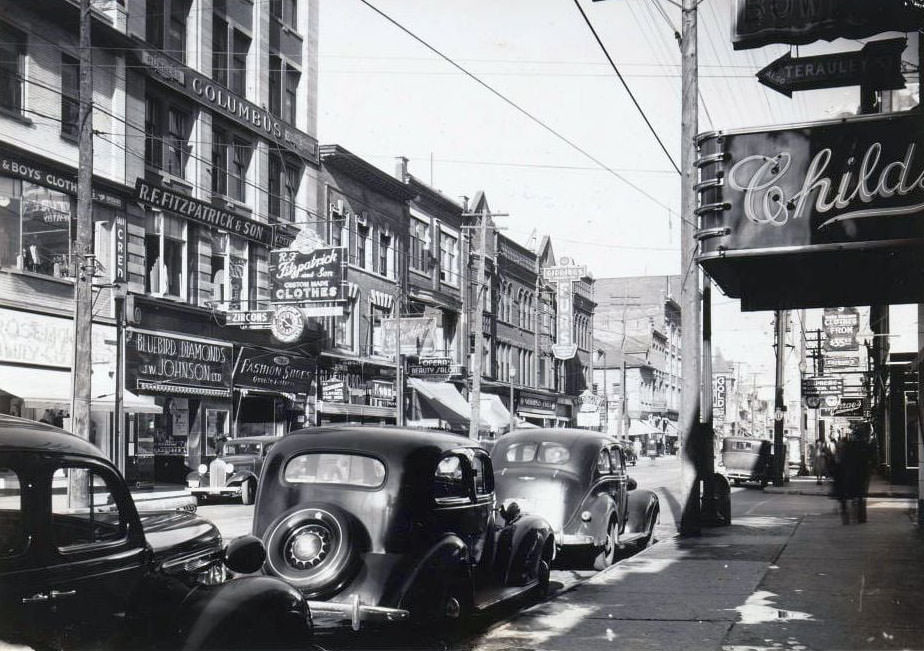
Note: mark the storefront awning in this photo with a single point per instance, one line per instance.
(642, 428)
(494, 411)
(446, 401)
(50, 389)
(349, 409)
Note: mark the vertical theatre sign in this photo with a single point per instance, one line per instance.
(719, 396)
(563, 277)
(815, 215)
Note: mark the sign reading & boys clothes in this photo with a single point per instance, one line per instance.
(179, 365)
(822, 214)
(307, 277)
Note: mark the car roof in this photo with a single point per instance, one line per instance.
(565, 436)
(384, 440)
(266, 438)
(24, 434)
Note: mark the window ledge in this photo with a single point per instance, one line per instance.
(419, 272)
(72, 139)
(16, 115)
(66, 280)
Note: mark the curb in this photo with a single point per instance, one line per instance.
(877, 494)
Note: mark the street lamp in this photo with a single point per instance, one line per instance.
(606, 403)
(512, 374)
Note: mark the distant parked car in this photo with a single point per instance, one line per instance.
(80, 569)
(576, 479)
(235, 471)
(747, 459)
(389, 524)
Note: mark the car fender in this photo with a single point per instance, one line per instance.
(521, 545)
(449, 552)
(240, 477)
(601, 508)
(643, 506)
(246, 613)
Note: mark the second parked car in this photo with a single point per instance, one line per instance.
(577, 480)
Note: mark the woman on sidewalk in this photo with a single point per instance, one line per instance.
(852, 471)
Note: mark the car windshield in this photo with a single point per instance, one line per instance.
(335, 468)
(241, 447)
(539, 452)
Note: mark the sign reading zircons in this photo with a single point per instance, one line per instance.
(564, 276)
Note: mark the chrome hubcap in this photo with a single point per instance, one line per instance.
(308, 546)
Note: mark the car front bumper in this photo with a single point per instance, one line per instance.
(214, 490)
(573, 539)
(357, 612)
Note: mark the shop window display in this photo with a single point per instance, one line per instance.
(36, 228)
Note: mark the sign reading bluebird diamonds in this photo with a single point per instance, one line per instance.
(181, 365)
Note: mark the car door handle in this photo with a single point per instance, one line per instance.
(60, 594)
(38, 597)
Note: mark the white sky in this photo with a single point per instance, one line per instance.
(382, 95)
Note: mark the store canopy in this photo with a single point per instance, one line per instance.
(494, 412)
(444, 399)
(642, 428)
(51, 389)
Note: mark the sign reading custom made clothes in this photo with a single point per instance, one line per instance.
(307, 276)
(798, 22)
(177, 364)
(815, 215)
(272, 371)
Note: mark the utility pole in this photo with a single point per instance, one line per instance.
(478, 304)
(84, 262)
(689, 293)
(399, 358)
(779, 462)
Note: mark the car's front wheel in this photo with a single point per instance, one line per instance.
(606, 555)
(248, 490)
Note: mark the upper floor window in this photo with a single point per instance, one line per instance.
(37, 229)
(284, 181)
(166, 26)
(12, 67)
(70, 95)
(449, 258)
(286, 11)
(283, 89)
(229, 56)
(165, 255)
(384, 253)
(420, 245)
(362, 250)
(230, 162)
(167, 129)
(229, 269)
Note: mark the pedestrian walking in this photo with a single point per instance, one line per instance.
(819, 460)
(853, 464)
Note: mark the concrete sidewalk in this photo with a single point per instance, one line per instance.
(164, 497)
(878, 487)
(765, 582)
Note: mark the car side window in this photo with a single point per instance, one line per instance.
(449, 479)
(13, 540)
(618, 461)
(603, 461)
(484, 474)
(82, 513)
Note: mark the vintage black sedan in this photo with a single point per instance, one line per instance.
(383, 523)
(235, 472)
(577, 480)
(79, 568)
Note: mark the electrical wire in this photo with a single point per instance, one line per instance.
(626, 86)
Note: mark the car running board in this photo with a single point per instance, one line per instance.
(487, 597)
(631, 538)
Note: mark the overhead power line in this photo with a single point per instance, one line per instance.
(625, 85)
(519, 108)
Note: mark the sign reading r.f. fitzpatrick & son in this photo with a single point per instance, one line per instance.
(307, 276)
(176, 364)
(157, 196)
(820, 214)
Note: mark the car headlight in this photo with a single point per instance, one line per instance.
(586, 516)
(229, 468)
(202, 468)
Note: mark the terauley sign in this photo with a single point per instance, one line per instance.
(841, 188)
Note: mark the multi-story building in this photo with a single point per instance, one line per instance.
(367, 215)
(205, 159)
(637, 323)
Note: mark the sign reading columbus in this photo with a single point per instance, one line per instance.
(846, 196)
(180, 365)
(798, 22)
(307, 277)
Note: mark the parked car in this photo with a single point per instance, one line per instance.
(235, 471)
(747, 459)
(576, 479)
(80, 569)
(384, 523)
